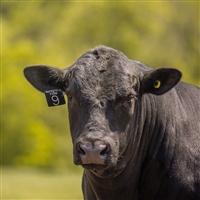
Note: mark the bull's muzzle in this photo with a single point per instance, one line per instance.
(93, 152)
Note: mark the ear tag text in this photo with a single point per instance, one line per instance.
(157, 84)
(54, 97)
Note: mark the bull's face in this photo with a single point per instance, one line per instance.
(101, 102)
(102, 88)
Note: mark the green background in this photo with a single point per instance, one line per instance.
(36, 150)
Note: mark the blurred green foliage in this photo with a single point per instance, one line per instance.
(158, 33)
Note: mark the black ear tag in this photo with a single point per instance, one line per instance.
(54, 97)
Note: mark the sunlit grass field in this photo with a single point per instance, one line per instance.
(26, 184)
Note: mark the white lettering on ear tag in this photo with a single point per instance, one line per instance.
(54, 97)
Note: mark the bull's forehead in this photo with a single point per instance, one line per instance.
(102, 73)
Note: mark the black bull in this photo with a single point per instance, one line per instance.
(135, 129)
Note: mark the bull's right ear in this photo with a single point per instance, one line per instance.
(44, 78)
(160, 81)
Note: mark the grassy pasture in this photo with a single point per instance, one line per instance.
(27, 184)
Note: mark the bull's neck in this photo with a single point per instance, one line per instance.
(144, 128)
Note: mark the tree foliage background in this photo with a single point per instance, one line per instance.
(158, 33)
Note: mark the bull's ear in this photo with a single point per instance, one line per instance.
(44, 78)
(160, 80)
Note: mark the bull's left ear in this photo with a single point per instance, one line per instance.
(160, 80)
(44, 77)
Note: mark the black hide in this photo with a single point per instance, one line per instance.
(135, 130)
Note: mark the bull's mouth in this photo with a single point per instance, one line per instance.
(94, 166)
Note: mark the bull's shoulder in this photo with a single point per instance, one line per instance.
(183, 136)
(179, 153)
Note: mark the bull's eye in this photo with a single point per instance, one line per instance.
(127, 103)
(130, 98)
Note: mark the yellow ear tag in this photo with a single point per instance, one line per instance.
(157, 84)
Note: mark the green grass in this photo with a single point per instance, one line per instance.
(26, 184)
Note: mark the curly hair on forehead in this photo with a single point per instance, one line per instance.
(100, 72)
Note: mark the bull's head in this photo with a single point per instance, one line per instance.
(103, 87)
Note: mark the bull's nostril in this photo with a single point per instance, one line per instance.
(80, 150)
(105, 151)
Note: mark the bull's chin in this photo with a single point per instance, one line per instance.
(95, 167)
(102, 171)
